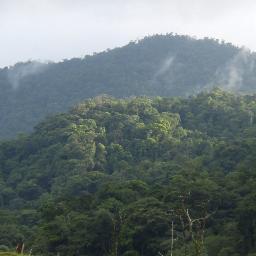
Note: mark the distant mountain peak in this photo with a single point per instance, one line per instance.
(164, 65)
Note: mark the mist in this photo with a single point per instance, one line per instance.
(16, 73)
(165, 66)
(231, 77)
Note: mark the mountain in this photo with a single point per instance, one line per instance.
(110, 177)
(160, 65)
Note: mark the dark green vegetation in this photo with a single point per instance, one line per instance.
(8, 254)
(110, 176)
(162, 65)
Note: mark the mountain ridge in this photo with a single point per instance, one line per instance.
(164, 65)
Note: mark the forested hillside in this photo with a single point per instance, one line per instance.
(113, 176)
(161, 65)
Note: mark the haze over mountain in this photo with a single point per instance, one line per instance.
(161, 65)
(119, 137)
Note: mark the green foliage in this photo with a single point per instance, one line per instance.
(111, 176)
(161, 65)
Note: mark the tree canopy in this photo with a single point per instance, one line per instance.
(114, 176)
(161, 65)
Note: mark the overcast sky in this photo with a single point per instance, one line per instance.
(60, 29)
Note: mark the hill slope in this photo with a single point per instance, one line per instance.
(108, 178)
(160, 65)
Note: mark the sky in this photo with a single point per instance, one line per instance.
(61, 29)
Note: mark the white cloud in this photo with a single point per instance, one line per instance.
(58, 29)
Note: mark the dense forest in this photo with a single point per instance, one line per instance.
(135, 177)
(160, 65)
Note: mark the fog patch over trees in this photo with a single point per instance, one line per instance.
(22, 70)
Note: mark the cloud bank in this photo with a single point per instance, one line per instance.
(58, 29)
